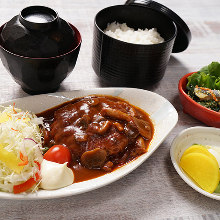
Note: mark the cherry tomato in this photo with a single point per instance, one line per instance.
(58, 154)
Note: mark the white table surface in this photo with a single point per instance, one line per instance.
(154, 190)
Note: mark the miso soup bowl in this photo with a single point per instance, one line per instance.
(38, 75)
(126, 64)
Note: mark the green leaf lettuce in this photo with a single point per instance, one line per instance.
(208, 77)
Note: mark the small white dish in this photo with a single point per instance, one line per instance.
(195, 135)
(163, 115)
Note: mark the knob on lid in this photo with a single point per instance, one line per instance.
(38, 17)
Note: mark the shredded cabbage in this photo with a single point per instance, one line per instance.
(19, 133)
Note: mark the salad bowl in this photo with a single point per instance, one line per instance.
(162, 114)
(191, 107)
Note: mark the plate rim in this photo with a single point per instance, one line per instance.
(132, 164)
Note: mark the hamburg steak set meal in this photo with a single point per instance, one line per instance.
(95, 135)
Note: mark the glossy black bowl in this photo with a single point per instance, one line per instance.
(41, 75)
(125, 64)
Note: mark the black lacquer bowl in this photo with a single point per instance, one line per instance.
(125, 64)
(42, 54)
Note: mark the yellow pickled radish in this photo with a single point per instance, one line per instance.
(196, 148)
(202, 169)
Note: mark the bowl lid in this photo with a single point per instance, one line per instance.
(38, 32)
(183, 37)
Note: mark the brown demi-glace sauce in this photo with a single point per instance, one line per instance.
(102, 133)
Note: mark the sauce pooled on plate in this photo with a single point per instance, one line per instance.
(102, 133)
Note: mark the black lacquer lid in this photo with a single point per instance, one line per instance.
(183, 37)
(38, 32)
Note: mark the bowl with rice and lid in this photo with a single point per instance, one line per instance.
(132, 43)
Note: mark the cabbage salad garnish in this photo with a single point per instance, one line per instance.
(20, 150)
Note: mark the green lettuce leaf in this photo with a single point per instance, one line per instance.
(208, 77)
(214, 69)
(217, 84)
(193, 80)
(204, 70)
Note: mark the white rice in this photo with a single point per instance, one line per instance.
(124, 33)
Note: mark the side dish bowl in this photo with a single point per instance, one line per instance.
(203, 114)
(162, 113)
(199, 135)
(40, 75)
(120, 63)
(39, 49)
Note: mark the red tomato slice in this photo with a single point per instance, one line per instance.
(23, 187)
(58, 154)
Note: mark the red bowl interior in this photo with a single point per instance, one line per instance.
(207, 116)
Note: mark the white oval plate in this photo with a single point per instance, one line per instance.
(195, 135)
(162, 113)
